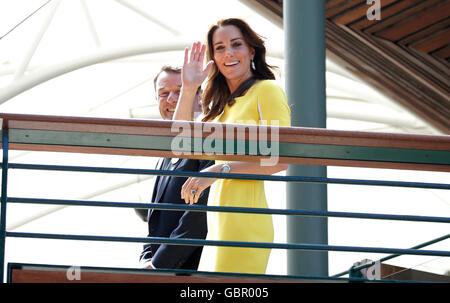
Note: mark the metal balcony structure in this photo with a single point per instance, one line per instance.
(148, 138)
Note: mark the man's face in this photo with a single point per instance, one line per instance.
(168, 87)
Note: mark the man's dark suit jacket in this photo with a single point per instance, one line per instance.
(175, 224)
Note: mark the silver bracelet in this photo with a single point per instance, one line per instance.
(225, 169)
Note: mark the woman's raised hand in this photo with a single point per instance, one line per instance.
(193, 73)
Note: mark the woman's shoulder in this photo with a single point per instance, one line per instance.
(267, 84)
(263, 89)
(268, 87)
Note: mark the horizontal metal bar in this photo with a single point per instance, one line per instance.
(168, 206)
(434, 241)
(357, 268)
(228, 176)
(197, 242)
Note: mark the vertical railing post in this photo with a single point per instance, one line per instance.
(4, 198)
(304, 28)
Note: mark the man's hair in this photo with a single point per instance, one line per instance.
(167, 69)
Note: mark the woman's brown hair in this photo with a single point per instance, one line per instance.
(217, 94)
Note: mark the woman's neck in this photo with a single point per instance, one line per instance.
(233, 84)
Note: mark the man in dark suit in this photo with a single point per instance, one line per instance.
(167, 189)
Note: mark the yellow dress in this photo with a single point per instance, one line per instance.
(264, 103)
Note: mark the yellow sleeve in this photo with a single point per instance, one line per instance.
(272, 105)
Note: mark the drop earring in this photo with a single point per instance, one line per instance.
(253, 65)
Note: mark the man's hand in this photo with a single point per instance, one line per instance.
(149, 265)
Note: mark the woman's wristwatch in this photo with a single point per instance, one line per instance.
(225, 168)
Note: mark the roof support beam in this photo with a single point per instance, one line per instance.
(20, 71)
(304, 27)
(90, 23)
(99, 56)
(148, 17)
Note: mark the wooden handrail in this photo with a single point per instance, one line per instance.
(39, 273)
(298, 145)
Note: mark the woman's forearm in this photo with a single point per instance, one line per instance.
(194, 186)
(238, 167)
(185, 103)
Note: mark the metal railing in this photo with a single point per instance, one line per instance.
(70, 134)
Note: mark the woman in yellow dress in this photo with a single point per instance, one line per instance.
(240, 89)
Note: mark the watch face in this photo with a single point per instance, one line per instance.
(225, 168)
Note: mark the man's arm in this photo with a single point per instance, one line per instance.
(192, 224)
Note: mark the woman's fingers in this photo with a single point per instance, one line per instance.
(183, 189)
(191, 191)
(207, 68)
(197, 195)
(202, 53)
(186, 55)
(197, 53)
(186, 190)
(198, 191)
(192, 52)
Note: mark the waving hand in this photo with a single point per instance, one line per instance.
(193, 73)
